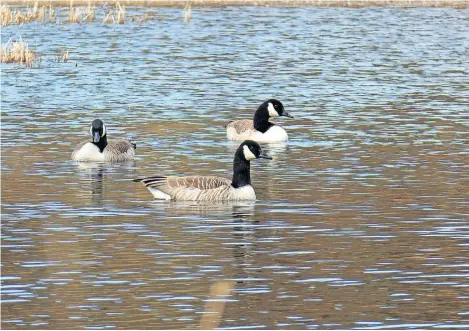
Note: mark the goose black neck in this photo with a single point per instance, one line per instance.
(241, 170)
(261, 120)
(102, 143)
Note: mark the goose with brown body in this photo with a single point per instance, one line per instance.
(210, 188)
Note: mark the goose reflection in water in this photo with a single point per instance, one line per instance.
(95, 175)
(239, 209)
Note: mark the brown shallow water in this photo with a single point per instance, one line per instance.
(361, 219)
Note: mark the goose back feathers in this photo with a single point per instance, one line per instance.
(208, 188)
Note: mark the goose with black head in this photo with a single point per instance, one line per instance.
(210, 188)
(260, 129)
(100, 150)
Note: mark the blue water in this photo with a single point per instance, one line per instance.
(361, 219)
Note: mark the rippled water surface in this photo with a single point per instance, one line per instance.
(361, 219)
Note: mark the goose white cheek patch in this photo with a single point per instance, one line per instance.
(272, 111)
(104, 131)
(248, 154)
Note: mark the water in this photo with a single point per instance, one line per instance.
(361, 219)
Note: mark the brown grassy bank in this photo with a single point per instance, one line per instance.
(318, 3)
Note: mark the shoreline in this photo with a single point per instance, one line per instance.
(226, 3)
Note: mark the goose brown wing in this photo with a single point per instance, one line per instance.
(119, 150)
(120, 146)
(241, 125)
(167, 184)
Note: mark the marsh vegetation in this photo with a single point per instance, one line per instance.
(113, 11)
(17, 52)
(69, 14)
(286, 3)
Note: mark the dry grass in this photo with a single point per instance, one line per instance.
(187, 12)
(17, 52)
(90, 14)
(62, 55)
(74, 15)
(6, 15)
(117, 16)
(41, 16)
(120, 14)
(17, 16)
(140, 19)
(77, 11)
(81, 14)
(46, 14)
(51, 14)
(109, 18)
(322, 3)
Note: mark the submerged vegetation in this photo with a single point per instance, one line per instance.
(17, 52)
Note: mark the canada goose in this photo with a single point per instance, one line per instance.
(99, 150)
(210, 188)
(260, 129)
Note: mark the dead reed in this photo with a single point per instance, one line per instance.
(17, 52)
(90, 14)
(17, 16)
(41, 16)
(187, 12)
(81, 14)
(6, 15)
(78, 12)
(120, 14)
(51, 14)
(115, 16)
(109, 18)
(74, 15)
(62, 55)
(140, 19)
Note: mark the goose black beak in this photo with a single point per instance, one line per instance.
(264, 156)
(96, 137)
(287, 114)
